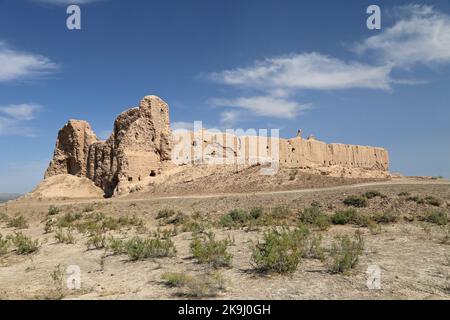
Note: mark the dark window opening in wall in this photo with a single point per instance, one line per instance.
(293, 149)
(139, 178)
(153, 173)
(130, 179)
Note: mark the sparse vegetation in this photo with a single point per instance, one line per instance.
(345, 253)
(96, 241)
(281, 250)
(373, 194)
(18, 222)
(433, 201)
(202, 286)
(65, 237)
(293, 175)
(140, 249)
(210, 251)
(53, 210)
(386, 217)
(315, 216)
(57, 276)
(436, 216)
(4, 245)
(23, 244)
(238, 218)
(356, 201)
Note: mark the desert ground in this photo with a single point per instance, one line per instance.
(399, 225)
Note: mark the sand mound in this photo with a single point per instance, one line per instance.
(66, 186)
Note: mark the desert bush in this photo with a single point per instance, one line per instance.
(356, 201)
(238, 218)
(140, 249)
(207, 250)
(18, 222)
(436, 216)
(433, 201)
(280, 212)
(165, 233)
(68, 219)
(315, 216)
(57, 276)
(89, 208)
(53, 210)
(388, 216)
(404, 194)
(97, 240)
(177, 280)
(202, 286)
(66, 237)
(415, 199)
(165, 213)
(281, 250)
(373, 194)
(115, 245)
(314, 248)
(345, 253)
(24, 244)
(4, 245)
(344, 216)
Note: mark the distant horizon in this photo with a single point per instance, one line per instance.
(310, 65)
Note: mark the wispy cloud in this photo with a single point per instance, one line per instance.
(421, 36)
(14, 118)
(264, 106)
(307, 71)
(17, 65)
(20, 112)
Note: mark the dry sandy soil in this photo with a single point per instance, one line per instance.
(413, 255)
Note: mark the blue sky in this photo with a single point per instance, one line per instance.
(231, 63)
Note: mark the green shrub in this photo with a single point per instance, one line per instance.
(436, 216)
(140, 249)
(239, 218)
(175, 279)
(344, 216)
(314, 248)
(433, 201)
(4, 245)
(64, 237)
(97, 240)
(205, 285)
(209, 251)
(53, 210)
(389, 216)
(345, 253)
(165, 213)
(373, 194)
(117, 246)
(356, 201)
(24, 244)
(68, 219)
(315, 216)
(281, 250)
(415, 199)
(19, 223)
(280, 212)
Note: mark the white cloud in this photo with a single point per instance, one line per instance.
(229, 118)
(265, 106)
(21, 111)
(307, 71)
(13, 118)
(15, 65)
(421, 36)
